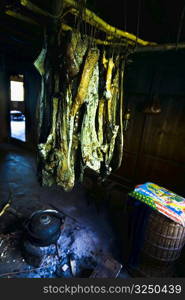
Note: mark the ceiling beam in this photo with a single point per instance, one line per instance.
(91, 18)
(21, 17)
(162, 47)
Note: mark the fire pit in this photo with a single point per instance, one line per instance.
(45, 248)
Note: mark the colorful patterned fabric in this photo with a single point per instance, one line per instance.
(164, 201)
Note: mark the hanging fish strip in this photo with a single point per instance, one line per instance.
(85, 120)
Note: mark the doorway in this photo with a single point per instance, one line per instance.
(17, 108)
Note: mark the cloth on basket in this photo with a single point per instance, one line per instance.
(164, 201)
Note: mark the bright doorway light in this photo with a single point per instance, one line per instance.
(17, 90)
(17, 108)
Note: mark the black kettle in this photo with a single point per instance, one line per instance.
(44, 227)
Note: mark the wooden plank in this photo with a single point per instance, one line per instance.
(164, 133)
(162, 172)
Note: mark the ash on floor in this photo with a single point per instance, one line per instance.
(83, 240)
(76, 243)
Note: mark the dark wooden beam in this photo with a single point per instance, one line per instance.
(162, 47)
(21, 17)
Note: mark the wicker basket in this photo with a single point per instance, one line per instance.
(164, 239)
(160, 242)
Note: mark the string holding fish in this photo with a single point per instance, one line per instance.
(60, 29)
(81, 8)
(85, 29)
(83, 15)
(75, 22)
(112, 52)
(91, 36)
(180, 26)
(138, 22)
(79, 15)
(104, 45)
(125, 15)
(94, 37)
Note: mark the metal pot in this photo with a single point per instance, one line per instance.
(43, 227)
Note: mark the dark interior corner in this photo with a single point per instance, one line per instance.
(86, 116)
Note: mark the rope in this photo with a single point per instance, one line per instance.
(180, 25)
(138, 20)
(125, 15)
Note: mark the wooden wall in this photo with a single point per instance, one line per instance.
(154, 148)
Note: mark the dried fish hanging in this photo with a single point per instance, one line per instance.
(85, 101)
(111, 105)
